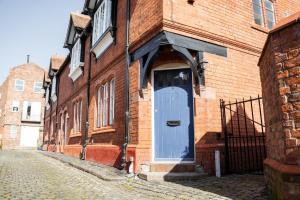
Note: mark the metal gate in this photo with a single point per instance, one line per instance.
(244, 133)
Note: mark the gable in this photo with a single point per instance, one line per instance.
(77, 23)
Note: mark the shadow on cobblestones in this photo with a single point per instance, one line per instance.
(231, 186)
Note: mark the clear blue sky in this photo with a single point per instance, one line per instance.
(35, 27)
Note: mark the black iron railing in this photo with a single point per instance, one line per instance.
(244, 133)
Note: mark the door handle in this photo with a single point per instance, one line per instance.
(173, 123)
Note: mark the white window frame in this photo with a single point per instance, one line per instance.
(80, 115)
(260, 5)
(66, 127)
(102, 20)
(111, 101)
(98, 108)
(105, 104)
(272, 10)
(47, 97)
(35, 87)
(19, 85)
(53, 89)
(75, 117)
(75, 66)
(15, 104)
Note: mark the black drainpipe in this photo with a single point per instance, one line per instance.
(126, 135)
(45, 110)
(86, 131)
(50, 120)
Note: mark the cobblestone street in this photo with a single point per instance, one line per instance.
(31, 175)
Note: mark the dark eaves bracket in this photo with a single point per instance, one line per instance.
(185, 46)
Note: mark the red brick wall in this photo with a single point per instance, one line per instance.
(280, 70)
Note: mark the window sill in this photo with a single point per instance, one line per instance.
(259, 28)
(75, 74)
(102, 43)
(77, 134)
(108, 129)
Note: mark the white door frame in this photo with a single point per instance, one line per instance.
(169, 66)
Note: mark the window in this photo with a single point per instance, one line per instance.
(13, 131)
(15, 106)
(111, 101)
(75, 70)
(66, 127)
(99, 108)
(257, 9)
(269, 14)
(47, 97)
(74, 118)
(19, 85)
(77, 116)
(104, 112)
(53, 89)
(37, 87)
(263, 13)
(80, 116)
(75, 58)
(31, 111)
(102, 20)
(106, 104)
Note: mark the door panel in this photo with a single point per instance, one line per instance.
(29, 136)
(173, 115)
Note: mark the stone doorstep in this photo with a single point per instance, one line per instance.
(91, 168)
(176, 168)
(171, 176)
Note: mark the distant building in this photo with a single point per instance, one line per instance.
(21, 103)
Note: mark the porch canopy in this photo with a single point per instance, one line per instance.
(185, 46)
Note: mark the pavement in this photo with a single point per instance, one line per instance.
(103, 172)
(35, 175)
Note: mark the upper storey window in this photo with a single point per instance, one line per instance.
(75, 42)
(47, 98)
(19, 85)
(75, 60)
(102, 20)
(103, 34)
(270, 13)
(38, 87)
(53, 89)
(76, 63)
(257, 12)
(263, 12)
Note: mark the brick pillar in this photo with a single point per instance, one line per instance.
(280, 76)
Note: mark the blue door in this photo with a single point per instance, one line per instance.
(173, 115)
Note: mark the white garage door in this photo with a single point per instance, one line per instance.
(29, 136)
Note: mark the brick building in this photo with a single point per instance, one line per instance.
(142, 83)
(21, 103)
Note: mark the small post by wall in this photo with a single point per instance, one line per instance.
(217, 163)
